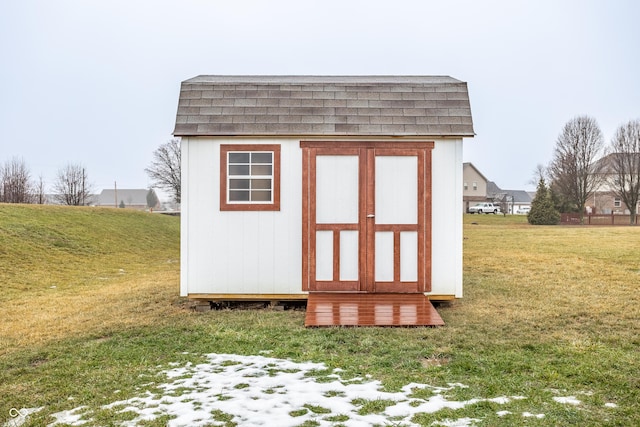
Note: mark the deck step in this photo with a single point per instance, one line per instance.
(370, 309)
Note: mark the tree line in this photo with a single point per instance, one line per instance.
(72, 186)
(582, 164)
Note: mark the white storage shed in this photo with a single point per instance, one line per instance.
(336, 185)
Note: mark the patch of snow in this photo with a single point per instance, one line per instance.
(610, 405)
(500, 400)
(571, 400)
(530, 415)
(462, 422)
(72, 417)
(257, 390)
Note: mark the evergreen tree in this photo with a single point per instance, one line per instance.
(152, 199)
(542, 210)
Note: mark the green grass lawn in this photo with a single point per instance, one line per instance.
(90, 312)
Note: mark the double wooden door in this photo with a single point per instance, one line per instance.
(367, 217)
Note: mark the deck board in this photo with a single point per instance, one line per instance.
(370, 309)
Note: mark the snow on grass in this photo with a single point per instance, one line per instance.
(258, 391)
(530, 415)
(571, 400)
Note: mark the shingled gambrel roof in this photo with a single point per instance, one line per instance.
(434, 106)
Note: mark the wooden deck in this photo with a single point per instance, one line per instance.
(370, 309)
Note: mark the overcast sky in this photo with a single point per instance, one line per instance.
(97, 82)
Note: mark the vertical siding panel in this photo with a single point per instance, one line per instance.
(447, 188)
(288, 223)
(202, 204)
(184, 219)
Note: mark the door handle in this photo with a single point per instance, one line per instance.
(371, 216)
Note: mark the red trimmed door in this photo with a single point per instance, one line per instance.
(366, 217)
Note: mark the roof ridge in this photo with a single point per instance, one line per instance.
(313, 78)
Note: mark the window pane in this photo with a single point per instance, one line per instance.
(238, 196)
(261, 170)
(238, 157)
(250, 182)
(260, 196)
(261, 157)
(239, 184)
(238, 170)
(261, 184)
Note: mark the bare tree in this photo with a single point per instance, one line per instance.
(72, 186)
(15, 182)
(540, 172)
(164, 170)
(624, 165)
(39, 196)
(573, 169)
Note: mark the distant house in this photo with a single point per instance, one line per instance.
(126, 198)
(474, 186)
(604, 200)
(477, 188)
(510, 201)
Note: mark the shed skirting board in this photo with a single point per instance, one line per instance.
(248, 297)
(281, 297)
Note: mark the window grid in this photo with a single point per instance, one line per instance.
(250, 175)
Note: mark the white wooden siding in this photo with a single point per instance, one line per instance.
(239, 252)
(446, 261)
(260, 252)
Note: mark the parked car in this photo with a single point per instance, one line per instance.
(486, 208)
(523, 210)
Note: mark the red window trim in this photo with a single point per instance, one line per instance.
(228, 206)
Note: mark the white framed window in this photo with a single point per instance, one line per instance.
(466, 186)
(617, 202)
(475, 186)
(250, 177)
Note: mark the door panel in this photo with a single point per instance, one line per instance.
(324, 255)
(409, 256)
(349, 255)
(396, 181)
(333, 209)
(398, 208)
(337, 192)
(365, 225)
(383, 256)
